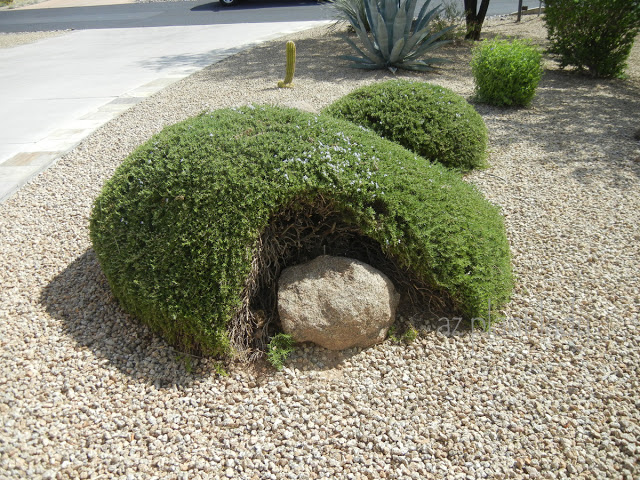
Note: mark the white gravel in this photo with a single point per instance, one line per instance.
(553, 392)
(9, 40)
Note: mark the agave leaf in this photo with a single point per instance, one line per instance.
(430, 60)
(410, 8)
(352, 17)
(423, 22)
(418, 36)
(427, 62)
(424, 50)
(386, 8)
(418, 66)
(372, 53)
(428, 44)
(389, 9)
(359, 60)
(346, 8)
(395, 52)
(411, 42)
(398, 27)
(366, 67)
(355, 47)
(422, 13)
(394, 41)
(368, 45)
(389, 13)
(371, 17)
(381, 35)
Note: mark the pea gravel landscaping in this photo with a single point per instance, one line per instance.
(552, 392)
(8, 40)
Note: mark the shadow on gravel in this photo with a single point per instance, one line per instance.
(268, 61)
(81, 298)
(593, 122)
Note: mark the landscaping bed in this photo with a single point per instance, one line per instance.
(86, 391)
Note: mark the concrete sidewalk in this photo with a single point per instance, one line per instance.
(56, 92)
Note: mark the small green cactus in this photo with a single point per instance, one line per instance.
(291, 66)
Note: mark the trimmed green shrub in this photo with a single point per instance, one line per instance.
(195, 226)
(506, 73)
(595, 36)
(431, 121)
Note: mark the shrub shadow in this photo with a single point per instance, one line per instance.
(606, 145)
(81, 298)
(317, 59)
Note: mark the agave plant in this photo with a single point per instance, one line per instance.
(350, 9)
(395, 40)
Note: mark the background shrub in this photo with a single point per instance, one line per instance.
(451, 18)
(432, 121)
(506, 73)
(193, 228)
(595, 36)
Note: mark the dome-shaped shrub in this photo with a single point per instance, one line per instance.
(432, 121)
(506, 73)
(190, 229)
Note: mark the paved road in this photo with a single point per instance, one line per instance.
(203, 12)
(159, 14)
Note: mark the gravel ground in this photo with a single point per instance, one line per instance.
(8, 40)
(553, 392)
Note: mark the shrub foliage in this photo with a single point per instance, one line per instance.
(280, 348)
(431, 121)
(451, 18)
(595, 36)
(192, 228)
(506, 73)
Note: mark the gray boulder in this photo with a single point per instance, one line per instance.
(336, 302)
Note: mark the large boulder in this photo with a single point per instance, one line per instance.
(336, 302)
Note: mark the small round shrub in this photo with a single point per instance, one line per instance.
(194, 227)
(432, 121)
(506, 73)
(280, 348)
(595, 36)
